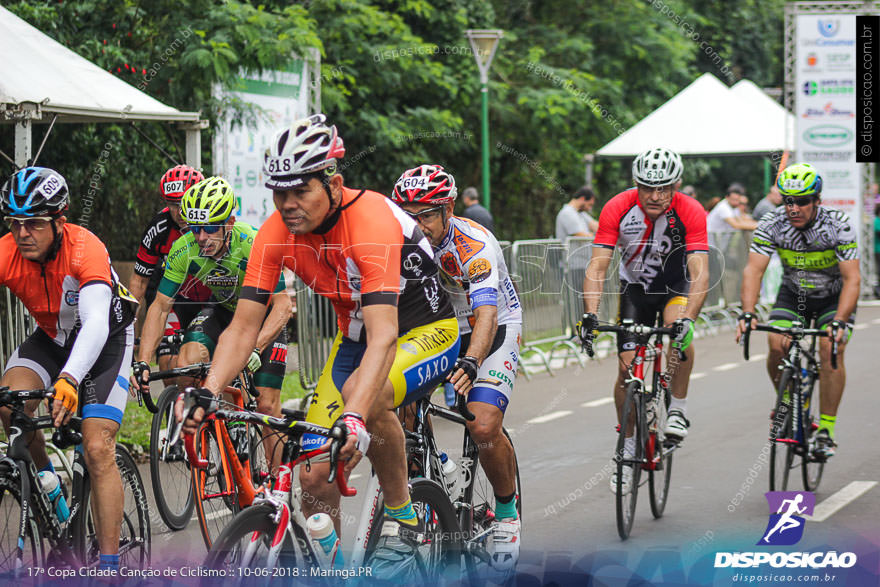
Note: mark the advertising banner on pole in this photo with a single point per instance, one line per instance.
(826, 107)
(280, 97)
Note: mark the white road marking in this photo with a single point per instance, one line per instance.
(697, 376)
(598, 402)
(875, 321)
(549, 417)
(355, 476)
(861, 326)
(726, 367)
(758, 357)
(832, 504)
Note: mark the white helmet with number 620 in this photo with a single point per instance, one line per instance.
(657, 167)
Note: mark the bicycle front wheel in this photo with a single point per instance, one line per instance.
(811, 468)
(245, 543)
(14, 565)
(626, 495)
(134, 536)
(661, 474)
(214, 490)
(169, 468)
(781, 434)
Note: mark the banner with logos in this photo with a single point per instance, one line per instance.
(826, 107)
(276, 98)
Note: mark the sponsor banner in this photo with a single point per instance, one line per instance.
(278, 98)
(825, 107)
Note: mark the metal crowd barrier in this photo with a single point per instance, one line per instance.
(17, 324)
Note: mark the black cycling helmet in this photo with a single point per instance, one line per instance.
(34, 191)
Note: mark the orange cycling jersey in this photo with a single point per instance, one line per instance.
(372, 253)
(50, 291)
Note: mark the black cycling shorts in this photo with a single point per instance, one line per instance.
(179, 318)
(103, 391)
(210, 323)
(643, 308)
(788, 307)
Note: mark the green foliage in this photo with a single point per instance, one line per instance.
(401, 84)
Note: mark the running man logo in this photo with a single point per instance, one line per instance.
(786, 526)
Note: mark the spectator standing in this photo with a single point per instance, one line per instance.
(724, 221)
(587, 212)
(770, 202)
(474, 211)
(569, 221)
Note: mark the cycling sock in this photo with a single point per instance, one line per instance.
(505, 507)
(629, 447)
(405, 514)
(48, 468)
(109, 561)
(827, 422)
(679, 404)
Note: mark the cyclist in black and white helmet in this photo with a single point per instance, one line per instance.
(664, 274)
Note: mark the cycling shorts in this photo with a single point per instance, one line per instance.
(788, 308)
(179, 318)
(424, 357)
(103, 391)
(497, 374)
(210, 323)
(644, 308)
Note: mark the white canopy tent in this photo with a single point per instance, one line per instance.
(707, 118)
(41, 79)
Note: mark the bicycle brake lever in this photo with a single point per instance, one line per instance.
(461, 405)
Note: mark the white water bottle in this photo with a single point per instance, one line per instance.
(452, 475)
(321, 530)
(52, 488)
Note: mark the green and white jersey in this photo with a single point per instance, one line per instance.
(809, 257)
(223, 277)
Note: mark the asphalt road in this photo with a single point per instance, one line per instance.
(563, 430)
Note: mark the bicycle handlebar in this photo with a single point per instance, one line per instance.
(67, 435)
(461, 406)
(795, 332)
(642, 330)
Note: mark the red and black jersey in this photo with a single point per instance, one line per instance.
(653, 254)
(160, 234)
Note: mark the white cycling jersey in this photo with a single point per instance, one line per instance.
(471, 257)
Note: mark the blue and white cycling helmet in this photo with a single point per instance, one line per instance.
(34, 191)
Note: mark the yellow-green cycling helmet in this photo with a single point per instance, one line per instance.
(800, 180)
(210, 201)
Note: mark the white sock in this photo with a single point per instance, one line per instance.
(629, 447)
(678, 404)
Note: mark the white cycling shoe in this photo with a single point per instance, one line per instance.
(676, 425)
(627, 480)
(503, 544)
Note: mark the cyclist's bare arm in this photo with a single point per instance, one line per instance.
(137, 287)
(849, 295)
(594, 280)
(698, 273)
(485, 326)
(751, 285)
(282, 310)
(154, 326)
(235, 344)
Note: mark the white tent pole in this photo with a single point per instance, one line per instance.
(194, 143)
(23, 146)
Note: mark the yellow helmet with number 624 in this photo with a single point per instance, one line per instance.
(800, 180)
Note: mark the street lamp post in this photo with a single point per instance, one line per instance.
(484, 42)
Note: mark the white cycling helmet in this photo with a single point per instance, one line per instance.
(307, 147)
(657, 167)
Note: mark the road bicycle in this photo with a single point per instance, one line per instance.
(32, 536)
(644, 418)
(471, 494)
(270, 539)
(795, 415)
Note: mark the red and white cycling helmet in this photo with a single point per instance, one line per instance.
(425, 184)
(310, 145)
(177, 180)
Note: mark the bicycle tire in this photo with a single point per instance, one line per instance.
(10, 524)
(216, 498)
(134, 539)
(626, 502)
(660, 476)
(438, 556)
(226, 551)
(781, 453)
(169, 468)
(811, 468)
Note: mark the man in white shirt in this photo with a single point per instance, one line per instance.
(726, 215)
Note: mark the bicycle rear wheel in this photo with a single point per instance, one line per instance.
(169, 468)
(214, 490)
(811, 468)
(12, 565)
(781, 433)
(246, 541)
(661, 474)
(626, 500)
(134, 537)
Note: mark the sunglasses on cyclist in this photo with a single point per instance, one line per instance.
(36, 223)
(208, 228)
(427, 215)
(799, 202)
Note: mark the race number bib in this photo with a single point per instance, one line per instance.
(197, 215)
(51, 186)
(173, 187)
(412, 183)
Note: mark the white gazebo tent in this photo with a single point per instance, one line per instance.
(709, 119)
(42, 81)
